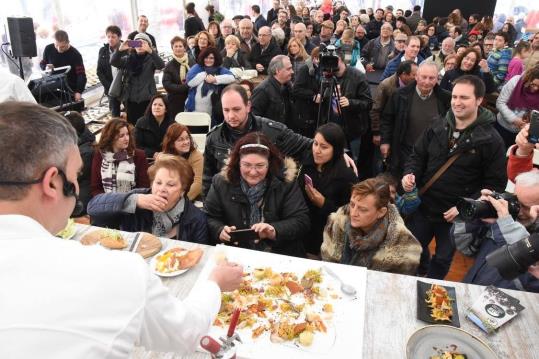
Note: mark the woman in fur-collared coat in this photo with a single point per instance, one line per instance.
(369, 232)
(257, 190)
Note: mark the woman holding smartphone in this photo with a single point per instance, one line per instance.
(326, 182)
(257, 190)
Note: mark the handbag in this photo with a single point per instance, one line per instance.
(117, 86)
(439, 173)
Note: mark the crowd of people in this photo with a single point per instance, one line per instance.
(357, 153)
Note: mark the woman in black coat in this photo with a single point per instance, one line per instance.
(193, 24)
(306, 88)
(152, 127)
(174, 76)
(326, 182)
(163, 210)
(469, 63)
(253, 192)
(233, 55)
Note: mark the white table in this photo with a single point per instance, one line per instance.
(390, 314)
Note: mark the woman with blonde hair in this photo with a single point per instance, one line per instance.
(297, 54)
(233, 54)
(203, 40)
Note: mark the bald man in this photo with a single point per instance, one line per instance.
(265, 50)
(300, 33)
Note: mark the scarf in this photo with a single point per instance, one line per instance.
(184, 65)
(164, 221)
(117, 172)
(363, 246)
(135, 63)
(522, 98)
(254, 196)
(206, 87)
(236, 134)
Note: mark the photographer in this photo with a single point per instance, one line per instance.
(481, 237)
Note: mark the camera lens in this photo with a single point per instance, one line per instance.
(514, 259)
(470, 209)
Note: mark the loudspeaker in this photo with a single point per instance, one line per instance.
(22, 36)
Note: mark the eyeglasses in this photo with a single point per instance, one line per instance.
(210, 58)
(258, 167)
(263, 35)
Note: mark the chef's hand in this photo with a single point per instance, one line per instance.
(227, 275)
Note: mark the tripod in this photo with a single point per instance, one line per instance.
(328, 92)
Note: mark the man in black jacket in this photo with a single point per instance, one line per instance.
(467, 135)
(258, 19)
(272, 98)
(60, 54)
(411, 110)
(272, 13)
(265, 50)
(373, 27)
(105, 71)
(237, 122)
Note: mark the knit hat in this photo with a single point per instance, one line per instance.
(143, 36)
(328, 24)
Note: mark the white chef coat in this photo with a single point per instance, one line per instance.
(13, 88)
(59, 299)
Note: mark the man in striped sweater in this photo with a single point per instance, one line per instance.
(499, 58)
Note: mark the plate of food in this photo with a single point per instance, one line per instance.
(446, 342)
(437, 304)
(108, 238)
(175, 261)
(69, 231)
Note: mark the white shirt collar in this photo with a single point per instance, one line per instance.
(421, 96)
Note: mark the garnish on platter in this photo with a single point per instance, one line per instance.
(69, 231)
(176, 260)
(109, 238)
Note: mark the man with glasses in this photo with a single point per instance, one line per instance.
(377, 50)
(488, 45)
(100, 302)
(263, 51)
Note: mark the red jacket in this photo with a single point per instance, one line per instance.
(518, 164)
(141, 172)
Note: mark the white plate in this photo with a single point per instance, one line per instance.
(153, 264)
(423, 342)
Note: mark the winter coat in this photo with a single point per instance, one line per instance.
(104, 71)
(272, 100)
(371, 52)
(195, 81)
(518, 164)
(398, 253)
(383, 94)
(219, 142)
(283, 208)
(393, 65)
(109, 208)
(139, 88)
(239, 59)
(356, 52)
(86, 149)
(149, 134)
(481, 163)
(452, 75)
(487, 238)
(306, 87)
(192, 26)
(395, 118)
(263, 58)
(335, 184)
(176, 90)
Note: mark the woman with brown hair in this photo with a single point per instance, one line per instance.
(215, 30)
(203, 40)
(369, 232)
(175, 75)
(469, 63)
(179, 142)
(163, 209)
(151, 127)
(296, 54)
(117, 166)
(257, 190)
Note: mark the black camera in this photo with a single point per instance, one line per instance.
(470, 209)
(329, 60)
(511, 260)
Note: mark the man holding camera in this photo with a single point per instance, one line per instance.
(483, 236)
(455, 157)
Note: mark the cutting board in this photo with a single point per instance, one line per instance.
(149, 244)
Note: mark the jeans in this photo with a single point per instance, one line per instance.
(424, 229)
(114, 106)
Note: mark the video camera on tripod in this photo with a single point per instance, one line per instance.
(329, 60)
(329, 90)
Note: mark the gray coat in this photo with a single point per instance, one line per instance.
(507, 116)
(142, 87)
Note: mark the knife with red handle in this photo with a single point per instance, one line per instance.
(233, 322)
(210, 344)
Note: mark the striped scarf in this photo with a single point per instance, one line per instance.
(117, 172)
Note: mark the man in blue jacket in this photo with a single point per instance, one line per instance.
(410, 53)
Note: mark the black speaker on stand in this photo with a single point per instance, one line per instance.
(22, 38)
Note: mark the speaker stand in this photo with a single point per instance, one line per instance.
(21, 71)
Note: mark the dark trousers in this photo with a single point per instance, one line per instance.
(424, 229)
(508, 137)
(114, 106)
(135, 110)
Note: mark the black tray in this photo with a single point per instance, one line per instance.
(423, 309)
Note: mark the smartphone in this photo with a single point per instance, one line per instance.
(308, 180)
(134, 43)
(533, 133)
(242, 235)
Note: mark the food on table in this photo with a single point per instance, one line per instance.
(449, 355)
(109, 238)
(68, 231)
(176, 259)
(440, 303)
(280, 304)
